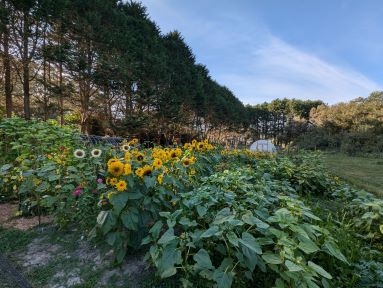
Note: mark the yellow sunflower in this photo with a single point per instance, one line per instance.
(140, 172)
(157, 163)
(139, 157)
(121, 185)
(111, 160)
(127, 169)
(113, 181)
(186, 161)
(127, 156)
(116, 168)
(147, 170)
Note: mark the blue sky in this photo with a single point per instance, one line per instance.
(261, 50)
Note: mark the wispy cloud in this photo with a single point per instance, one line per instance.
(277, 69)
(245, 56)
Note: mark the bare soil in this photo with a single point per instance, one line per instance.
(43, 252)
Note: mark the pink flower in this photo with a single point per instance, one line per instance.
(77, 192)
(99, 180)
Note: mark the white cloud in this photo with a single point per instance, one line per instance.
(277, 70)
(242, 54)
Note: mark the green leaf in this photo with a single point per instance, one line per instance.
(223, 276)
(167, 236)
(332, 249)
(222, 216)
(170, 256)
(233, 238)
(252, 220)
(250, 242)
(319, 270)
(292, 267)
(271, 258)
(150, 181)
(201, 210)
(186, 222)
(53, 177)
(156, 229)
(213, 230)
(202, 259)
(130, 219)
(308, 246)
(381, 228)
(119, 202)
(134, 195)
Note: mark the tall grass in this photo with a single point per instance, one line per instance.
(362, 172)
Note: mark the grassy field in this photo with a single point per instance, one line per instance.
(364, 173)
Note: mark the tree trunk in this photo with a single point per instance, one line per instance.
(25, 63)
(7, 74)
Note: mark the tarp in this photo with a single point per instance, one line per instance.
(263, 146)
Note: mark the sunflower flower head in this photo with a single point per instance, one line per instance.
(157, 163)
(127, 169)
(116, 168)
(125, 147)
(96, 153)
(79, 153)
(147, 170)
(121, 185)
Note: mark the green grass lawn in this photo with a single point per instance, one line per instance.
(364, 173)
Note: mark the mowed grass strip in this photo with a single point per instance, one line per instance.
(364, 173)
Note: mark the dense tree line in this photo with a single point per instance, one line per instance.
(105, 65)
(353, 127)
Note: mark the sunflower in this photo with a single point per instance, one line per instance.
(121, 185)
(140, 172)
(116, 168)
(172, 154)
(113, 181)
(200, 146)
(147, 170)
(96, 153)
(178, 152)
(79, 153)
(111, 160)
(139, 156)
(186, 161)
(157, 163)
(127, 156)
(127, 169)
(125, 147)
(134, 141)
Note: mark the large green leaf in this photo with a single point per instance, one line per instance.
(271, 258)
(201, 210)
(170, 256)
(119, 201)
(212, 231)
(252, 220)
(167, 236)
(332, 249)
(130, 219)
(223, 276)
(292, 267)
(222, 216)
(233, 238)
(308, 246)
(319, 270)
(202, 259)
(250, 242)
